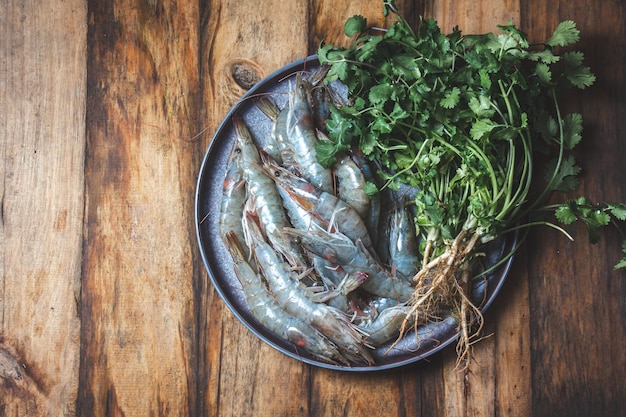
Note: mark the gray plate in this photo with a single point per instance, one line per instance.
(433, 337)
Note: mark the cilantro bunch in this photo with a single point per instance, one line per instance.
(465, 119)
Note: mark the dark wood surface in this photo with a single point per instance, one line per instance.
(105, 305)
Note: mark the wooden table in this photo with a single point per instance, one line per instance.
(105, 305)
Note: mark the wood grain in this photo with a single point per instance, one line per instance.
(42, 196)
(473, 16)
(138, 332)
(498, 379)
(241, 44)
(105, 306)
(578, 302)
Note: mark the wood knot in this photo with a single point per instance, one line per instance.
(245, 73)
(9, 368)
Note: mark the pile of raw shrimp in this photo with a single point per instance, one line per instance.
(322, 264)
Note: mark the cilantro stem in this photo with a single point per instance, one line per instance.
(550, 186)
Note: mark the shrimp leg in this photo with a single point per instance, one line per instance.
(352, 257)
(329, 210)
(292, 298)
(302, 137)
(266, 198)
(233, 196)
(267, 311)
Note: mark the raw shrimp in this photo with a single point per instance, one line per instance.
(267, 311)
(351, 185)
(329, 210)
(302, 137)
(233, 196)
(387, 324)
(271, 110)
(265, 196)
(346, 285)
(403, 244)
(373, 214)
(292, 298)
(341, 250)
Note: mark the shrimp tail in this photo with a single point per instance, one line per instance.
(359, 351)
(267, 311)
(268, 107)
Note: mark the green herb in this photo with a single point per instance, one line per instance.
(595, 216)
(465, 119)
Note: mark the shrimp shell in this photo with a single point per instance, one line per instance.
(341, 250)
(265, 196)
(388, 323)
(302, 137)
(292, 298)
(233, 196)
(267, 311)
(328, 210)
(403, 244)
(271, 110)
(373, 215)
(351, 185)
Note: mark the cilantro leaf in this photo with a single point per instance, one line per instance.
(622, 263)
(370, 188)
(565, 34)
(326, 151)
(580, 77)
(572, 129)
(594, 222)
(543, 73)
(573, 59)
(355, 25)
(565, 214)
(575, 72)
(546, 56)
(381, 93)
(515, 34)
(594, 216)
(481, 106)
(564, 178)
(481, 128)
(451, 98)
(618, 210)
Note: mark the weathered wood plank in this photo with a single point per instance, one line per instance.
(578, 303)
(155, 337)
(242, 43)
(327, 20)
(138, 335)
(336, 393)
(42, 200)
(498, 379)
(473, 16)
(511, 317)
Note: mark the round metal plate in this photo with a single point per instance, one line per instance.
(432, 337)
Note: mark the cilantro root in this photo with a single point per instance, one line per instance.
(443, 283)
